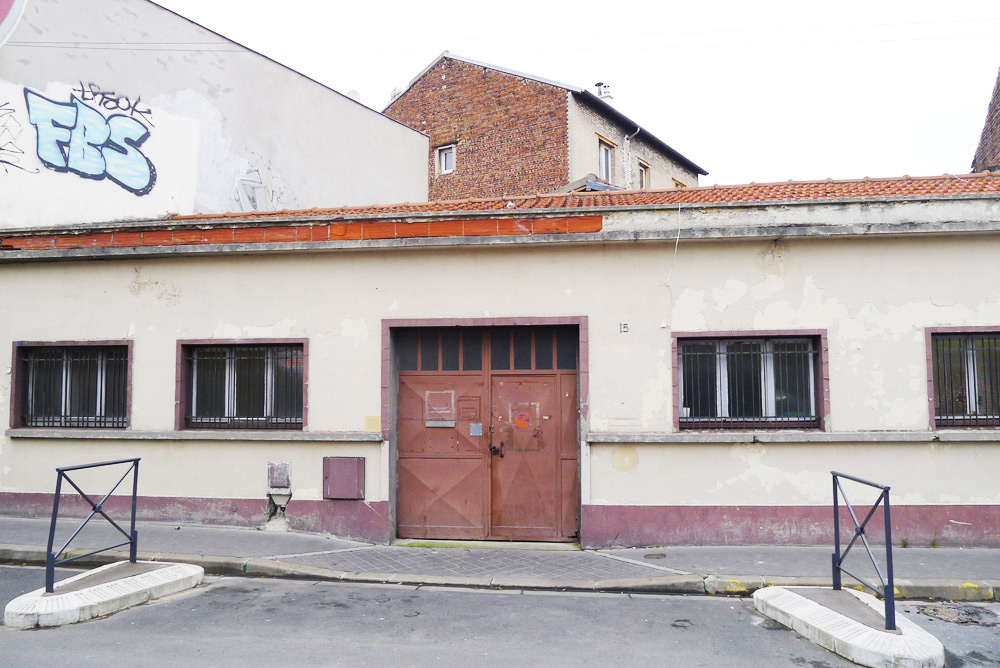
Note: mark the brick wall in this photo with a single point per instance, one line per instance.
(510, 132)
(988, 153)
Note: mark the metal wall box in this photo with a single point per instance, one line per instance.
(343, 477)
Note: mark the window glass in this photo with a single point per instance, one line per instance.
(450, 339)
(698, 366)
(566, 347)
(246, 387)
(74, 386)
(543, 347)
(500, 349)
(522, 348)
(409, 349)
(429, 350)
(966, 376)
(472, 349)
(763, 383)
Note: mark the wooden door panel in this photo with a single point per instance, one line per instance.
(525, 481)
(441, 498)
(428, 403)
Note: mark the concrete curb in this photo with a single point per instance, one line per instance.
(712, 585)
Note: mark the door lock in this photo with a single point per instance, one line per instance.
(494, 450)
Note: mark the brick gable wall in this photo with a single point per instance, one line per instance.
(988, 153)
(510, 132)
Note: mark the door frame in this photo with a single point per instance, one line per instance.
(390, 388)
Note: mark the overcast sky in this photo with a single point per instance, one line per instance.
(751, 91)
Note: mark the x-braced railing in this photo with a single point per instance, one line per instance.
(97, 508)
(887, 591)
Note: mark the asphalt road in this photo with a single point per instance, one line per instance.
(258, 622)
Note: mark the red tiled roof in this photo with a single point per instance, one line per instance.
(789, 191)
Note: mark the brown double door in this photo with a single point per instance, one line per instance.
(487, 433)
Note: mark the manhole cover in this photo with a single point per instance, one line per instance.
(654, 555)
(962, 614)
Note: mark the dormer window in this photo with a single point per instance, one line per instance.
(446, 159)
(605, 156)
(643, 175)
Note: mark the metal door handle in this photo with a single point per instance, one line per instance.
(501, 449)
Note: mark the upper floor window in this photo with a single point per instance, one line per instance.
(245, 386)
(446, 159)
(605, 158)
(965, 371)
(71, 386)
(748, 383)
(643, 175)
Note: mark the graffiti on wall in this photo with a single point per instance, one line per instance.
(75, 137)
(255, 190)
(11, 153)
(108, 100)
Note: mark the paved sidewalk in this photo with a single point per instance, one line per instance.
(937, 573)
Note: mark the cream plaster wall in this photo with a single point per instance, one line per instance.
(584, 126)
(199, 469)
(790, 474)
(873, 296)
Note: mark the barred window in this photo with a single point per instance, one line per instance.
(72, 386)
(760, 383)
(244, 386)
(966, 377)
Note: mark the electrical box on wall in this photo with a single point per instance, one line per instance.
(343, 477)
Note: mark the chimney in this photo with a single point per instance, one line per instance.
(604, 92)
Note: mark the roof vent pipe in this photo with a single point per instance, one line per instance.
(604, 91)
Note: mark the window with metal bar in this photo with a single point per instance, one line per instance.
(966, 377)
(244, 386)
(73, 386)
(760, 383)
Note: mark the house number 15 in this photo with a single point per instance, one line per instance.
(623, 328)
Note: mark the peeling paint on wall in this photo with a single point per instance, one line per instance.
(356, 330)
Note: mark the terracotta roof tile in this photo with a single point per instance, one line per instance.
(787, 191)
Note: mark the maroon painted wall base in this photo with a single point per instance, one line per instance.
(919, 526)
(346, 519)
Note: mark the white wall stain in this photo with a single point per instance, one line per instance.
(356, 330)
(729, 294)
(689, 311)
(656, 396)
(159, 289)
(394, 306)
(767, 288)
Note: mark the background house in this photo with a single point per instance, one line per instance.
(116, 110)
(495, 132)
(988, 153)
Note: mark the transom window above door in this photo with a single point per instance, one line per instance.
(514, 348)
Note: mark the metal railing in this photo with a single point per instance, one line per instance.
(887, 590)
(52, 558)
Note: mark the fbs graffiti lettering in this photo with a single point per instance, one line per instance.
(74, 137)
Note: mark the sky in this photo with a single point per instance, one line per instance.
(750, 91)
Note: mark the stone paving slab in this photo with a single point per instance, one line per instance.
(461, 562)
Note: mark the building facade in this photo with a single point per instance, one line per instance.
(495, 132)
(670, 367)
(123, 110)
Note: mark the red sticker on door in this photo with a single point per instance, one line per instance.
(522, 420)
